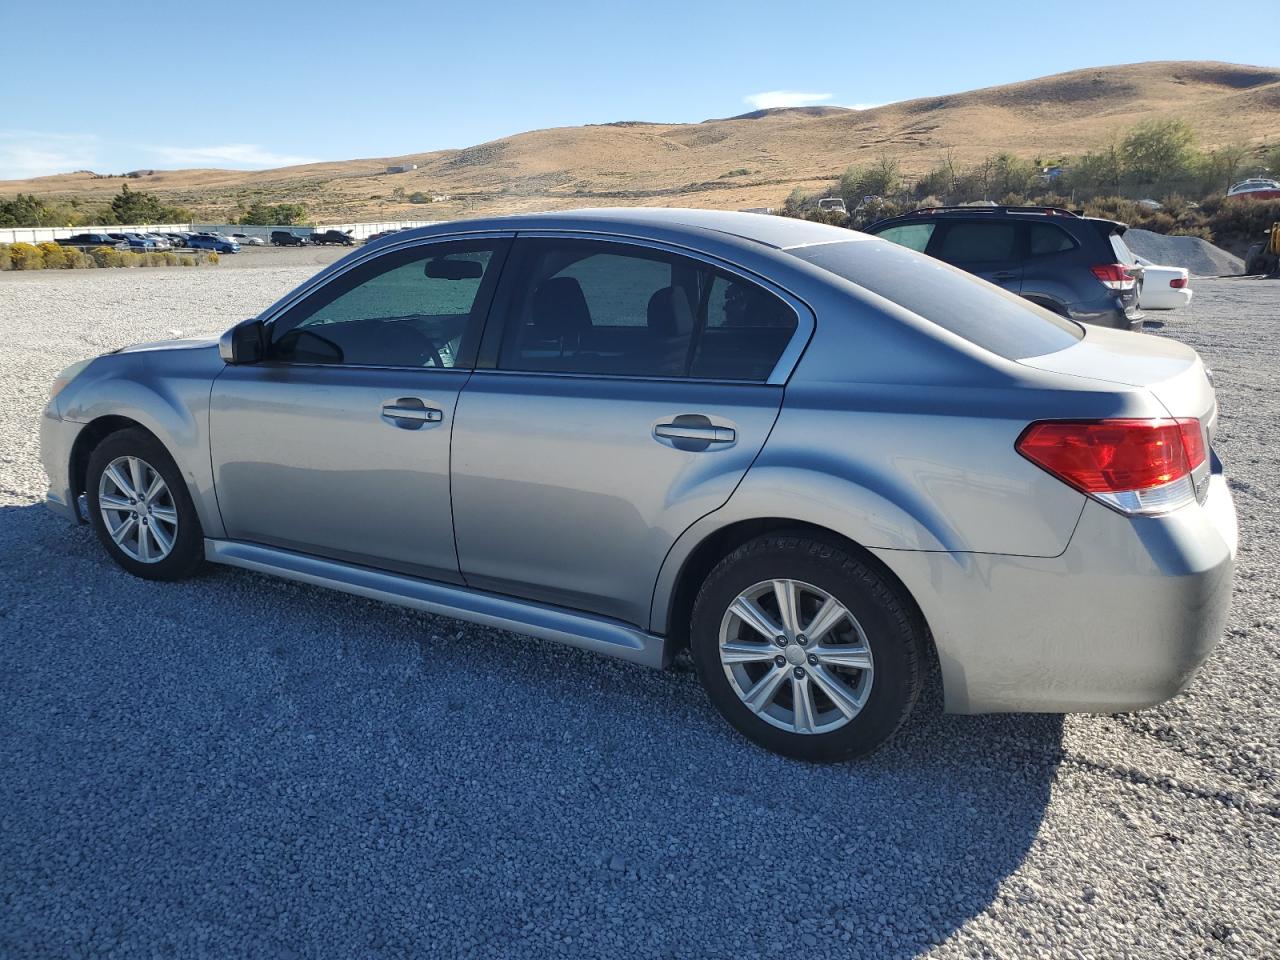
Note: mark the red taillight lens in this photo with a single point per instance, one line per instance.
(1115, 275)
(1135, 466)
(1178, 283)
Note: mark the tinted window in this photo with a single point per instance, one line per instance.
(913, 236)
(411, 308)
(591, 307)
(978, 242)
(1046, 238)
(993, 319)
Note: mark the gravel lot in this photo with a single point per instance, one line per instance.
(242, 767)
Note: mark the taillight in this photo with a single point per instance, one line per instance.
(1178, 283)
(1134, 466)
(1114, 276)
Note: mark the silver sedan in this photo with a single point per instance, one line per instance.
(819, 461)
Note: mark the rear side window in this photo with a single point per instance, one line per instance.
(993, 319)
(1046, 238)
(978, 242)
(913, 236)
(605, 308)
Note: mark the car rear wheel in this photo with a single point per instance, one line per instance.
(806, 649)
(141, 509)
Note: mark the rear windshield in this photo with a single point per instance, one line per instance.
(984, 315)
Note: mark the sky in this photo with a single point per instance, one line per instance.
(112, 88)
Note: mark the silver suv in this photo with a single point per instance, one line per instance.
(816, 459)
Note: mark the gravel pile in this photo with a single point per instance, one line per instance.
(242, 767)
(1201, 257)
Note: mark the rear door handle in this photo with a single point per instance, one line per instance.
(1005, 275)
(411, 413)
(678, 431)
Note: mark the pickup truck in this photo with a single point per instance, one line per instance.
(90, 240)
(332, 236)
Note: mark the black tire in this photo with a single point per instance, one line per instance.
(894, 630)
(187, 554)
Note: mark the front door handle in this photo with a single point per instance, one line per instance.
(1005, 275)
(410, 413)
(680, 431)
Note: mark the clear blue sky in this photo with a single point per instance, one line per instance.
(96, 85)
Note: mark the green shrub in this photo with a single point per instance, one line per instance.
(170, 259)
(186, 260)
(5, 263)
(76, 259)
(54, 255)
(25, 256)
(212, 258)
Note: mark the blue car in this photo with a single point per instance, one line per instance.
(212, 241)
(136, 241)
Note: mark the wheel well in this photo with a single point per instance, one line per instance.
(1051, 305)
(723, 542)
(93, 434)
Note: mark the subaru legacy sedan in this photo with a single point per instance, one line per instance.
(819, 461)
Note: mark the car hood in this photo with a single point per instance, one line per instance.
(186, 343)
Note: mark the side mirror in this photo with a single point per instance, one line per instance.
(243, 343)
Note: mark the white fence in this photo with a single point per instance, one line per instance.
(45, 234)
(357, 230)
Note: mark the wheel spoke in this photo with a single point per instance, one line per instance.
(144, 544)
(165, 514)
(157, 485)
(137, 475)
(121, 481)
(741, 651)
(108, 502)
(840, 694)
(124, 529)
(803, 708)
(829, 614)
(844, 656)
(163, 541)
(749, 612)
(784, 591)
(762, 694)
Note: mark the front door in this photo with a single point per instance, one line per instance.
(338, 443)
(629, 396)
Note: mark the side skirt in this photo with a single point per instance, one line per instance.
(583, 630)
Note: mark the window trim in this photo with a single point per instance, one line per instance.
(496, 327)
(503, 242)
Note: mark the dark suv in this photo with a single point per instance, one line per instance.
(1078, 267)
(286, 238)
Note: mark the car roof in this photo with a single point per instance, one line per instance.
(781, 233)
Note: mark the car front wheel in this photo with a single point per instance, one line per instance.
(807, 649)
(141, 508)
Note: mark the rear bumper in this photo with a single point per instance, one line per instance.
(1108, 311)
(1121, 620)
(1166, 299)
(57, 437)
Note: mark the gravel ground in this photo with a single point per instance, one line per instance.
(1199, 256)
(239, 766)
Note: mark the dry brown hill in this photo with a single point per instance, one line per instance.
(701, 164)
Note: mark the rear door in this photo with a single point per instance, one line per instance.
(622, 392)
(991, 249)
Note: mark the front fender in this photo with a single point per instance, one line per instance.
(167, 392)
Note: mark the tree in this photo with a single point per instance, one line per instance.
(1158, 151)
(266, 215)
(137, 206)
(879, 179)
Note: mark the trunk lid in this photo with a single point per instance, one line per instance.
(1171, 371)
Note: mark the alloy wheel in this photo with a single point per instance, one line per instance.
(796, 656)
(138, 509)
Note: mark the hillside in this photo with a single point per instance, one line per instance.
(700, 164)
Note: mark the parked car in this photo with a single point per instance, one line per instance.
(92, 240)
(212, 241)
(815, 458)
(332, 237)
(161, 242)
(1164, 288)
(1256, 188)
(383, 233)
(176, 240)
(134, 241)
(248, 240)
(1077, 267)
(286, 238)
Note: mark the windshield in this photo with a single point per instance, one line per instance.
(987, 316)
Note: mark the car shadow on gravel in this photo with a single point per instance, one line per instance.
(251, 766)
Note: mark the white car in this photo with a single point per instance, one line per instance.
(1163, 288)
(247, 241)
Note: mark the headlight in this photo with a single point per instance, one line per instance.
(67, 375)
